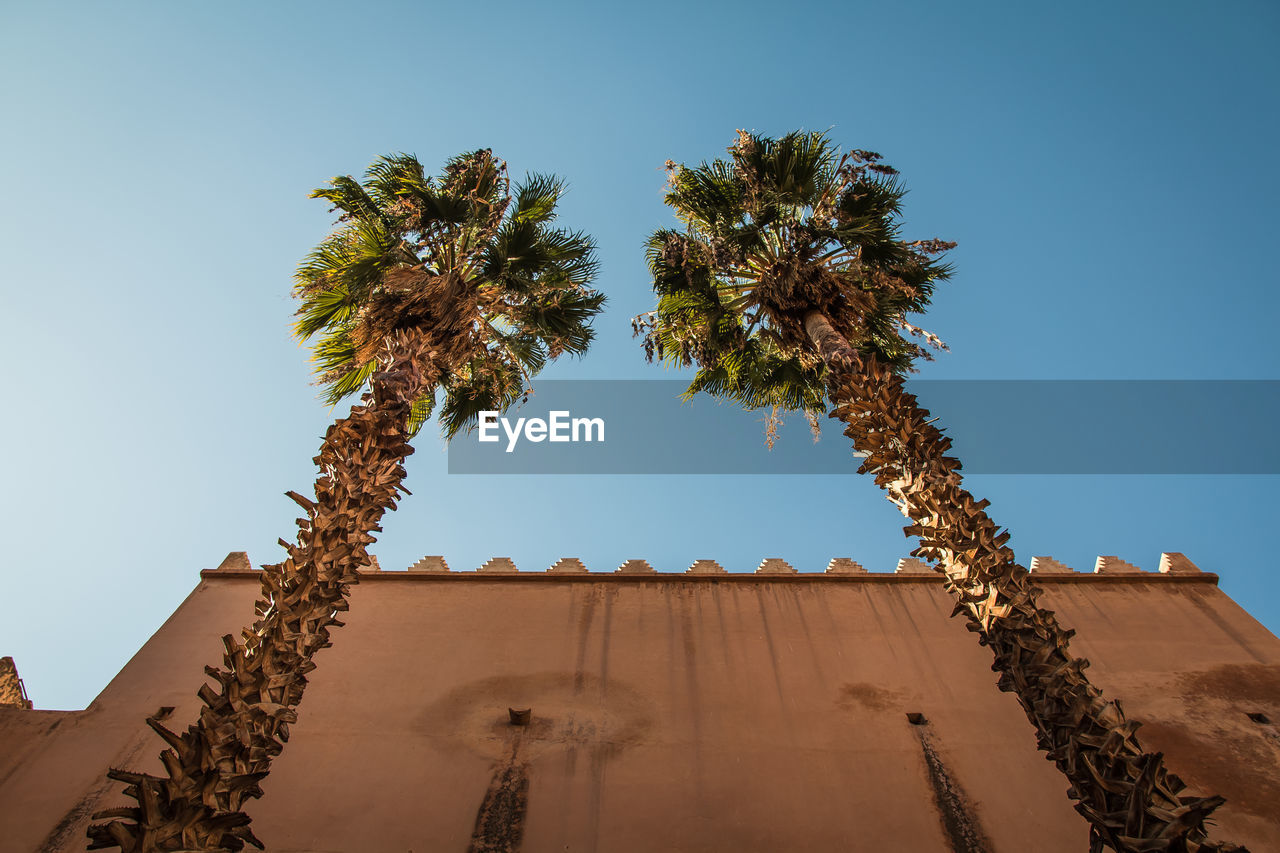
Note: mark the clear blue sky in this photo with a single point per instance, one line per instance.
(1108, 170)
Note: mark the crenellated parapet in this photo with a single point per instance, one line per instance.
(1173, 562)
(1172, 565)
(1114, 566)
(635, 567)
(430, 564)
(568, 566)
(912, 566)
(12, 692)
(1041, 565)
(845, 566)
(498, 565)
(235, 561)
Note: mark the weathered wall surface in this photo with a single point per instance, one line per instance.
(53, 763)
(684, 713)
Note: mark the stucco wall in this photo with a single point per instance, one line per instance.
(677, 712)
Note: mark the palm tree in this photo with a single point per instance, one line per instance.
(454, 287)
(789, 287)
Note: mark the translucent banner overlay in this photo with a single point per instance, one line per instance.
(996, 427)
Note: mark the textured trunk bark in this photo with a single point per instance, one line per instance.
(216, 765)
(1130, 800)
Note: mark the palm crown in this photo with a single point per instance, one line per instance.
(467, 271)
(783, 228)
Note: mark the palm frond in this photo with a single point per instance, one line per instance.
(784, 228)
(524, 348)
(536, 198)
(394, 177)
(346, 195)
(477, 276)
(795, 170)
(482, 387)
(710, 196)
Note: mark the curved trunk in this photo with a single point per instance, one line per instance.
(216, 765)
(1130, 800)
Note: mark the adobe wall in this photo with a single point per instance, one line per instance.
(695, 712)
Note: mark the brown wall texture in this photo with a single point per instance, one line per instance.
(697, 712)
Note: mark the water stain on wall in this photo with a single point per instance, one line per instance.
(871, 697)
(959, 818)
(570, 709)
(1214, 742)
(571, 713)
(500, 821)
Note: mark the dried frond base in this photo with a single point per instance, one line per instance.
(1131, 801)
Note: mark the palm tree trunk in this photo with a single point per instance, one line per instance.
(1130, 800)
(216, 765)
